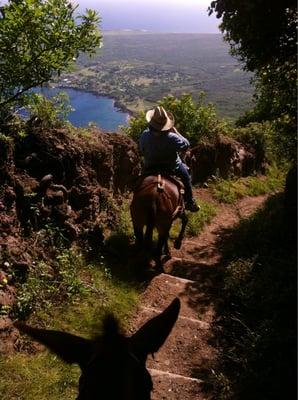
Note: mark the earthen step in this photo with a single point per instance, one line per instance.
(164, 288)
(201, 324)
(158, 372)
(167, 386)
(190, 242)
(187, 350)
(199, 251)
(192, 270)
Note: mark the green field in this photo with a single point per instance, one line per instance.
(138, 69)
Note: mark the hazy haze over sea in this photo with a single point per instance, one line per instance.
(183, 16)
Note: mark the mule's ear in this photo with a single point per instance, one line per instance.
(152, 335)
(71, 348)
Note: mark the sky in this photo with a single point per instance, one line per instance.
(154, 15)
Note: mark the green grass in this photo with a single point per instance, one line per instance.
(196, 221)
(42, 375)
(125, 63)
(47, 284)
(125, 223)
(230, 190)
(39, 376)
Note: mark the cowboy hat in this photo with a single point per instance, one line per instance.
(160, 119)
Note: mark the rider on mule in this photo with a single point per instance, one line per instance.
(160, 145)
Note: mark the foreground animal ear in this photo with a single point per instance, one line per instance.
(152, 335)
(71, 348)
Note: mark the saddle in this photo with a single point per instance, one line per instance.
(160, 182)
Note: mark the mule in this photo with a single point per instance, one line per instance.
(112, 365)
(156, 203)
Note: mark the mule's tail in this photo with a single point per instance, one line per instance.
(150, 223)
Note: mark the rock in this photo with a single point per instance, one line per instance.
(224, 157)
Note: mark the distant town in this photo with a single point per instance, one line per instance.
(137, 69)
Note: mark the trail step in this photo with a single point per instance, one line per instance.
(193, 295)
(190, 269)
(167, 386)
(191, 242)
(186, 350)
(178, 278)
(158, 372)
(202, 324)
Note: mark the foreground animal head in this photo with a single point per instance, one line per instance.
(113, 365)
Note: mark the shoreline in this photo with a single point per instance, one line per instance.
(116, 102)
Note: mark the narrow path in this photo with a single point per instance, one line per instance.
(180, 369)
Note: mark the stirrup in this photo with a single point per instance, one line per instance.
(192, 206)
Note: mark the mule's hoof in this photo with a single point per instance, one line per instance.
(177, 244)
(165, 258)
(159, 268)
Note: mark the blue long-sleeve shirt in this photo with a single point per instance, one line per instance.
(161, 149)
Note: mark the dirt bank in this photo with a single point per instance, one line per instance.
(64, 179)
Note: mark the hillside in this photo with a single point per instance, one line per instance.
(57, 188)
(138, 69)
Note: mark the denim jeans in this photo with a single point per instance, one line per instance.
(182, 172)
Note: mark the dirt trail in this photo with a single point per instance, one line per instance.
(180, 369)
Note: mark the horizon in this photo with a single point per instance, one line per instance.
(128, 30)
(170, 16)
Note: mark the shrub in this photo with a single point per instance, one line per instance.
(46, 285)
(259, 136)
(193, 118)
(49, 113)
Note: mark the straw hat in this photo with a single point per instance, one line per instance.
(160, 119)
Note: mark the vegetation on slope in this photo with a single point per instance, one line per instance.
(258, 334)
(229, 190)
(268, 50)
(258, 317)
(39, 39)
(72, 302)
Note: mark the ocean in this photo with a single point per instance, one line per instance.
(91, 108)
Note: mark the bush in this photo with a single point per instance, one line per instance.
(259, 136)
(136, 126)
(194, 119)
(49, 113)
(45, 286)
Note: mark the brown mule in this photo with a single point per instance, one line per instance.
(157, 202)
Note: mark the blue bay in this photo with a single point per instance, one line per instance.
(89, 107)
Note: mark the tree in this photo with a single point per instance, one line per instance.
(262, 34)
(259, 31)
(38, 39)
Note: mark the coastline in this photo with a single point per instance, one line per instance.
(116, 102)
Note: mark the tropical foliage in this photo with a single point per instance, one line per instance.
(262, 34)
(195, 119)
(39, 39)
